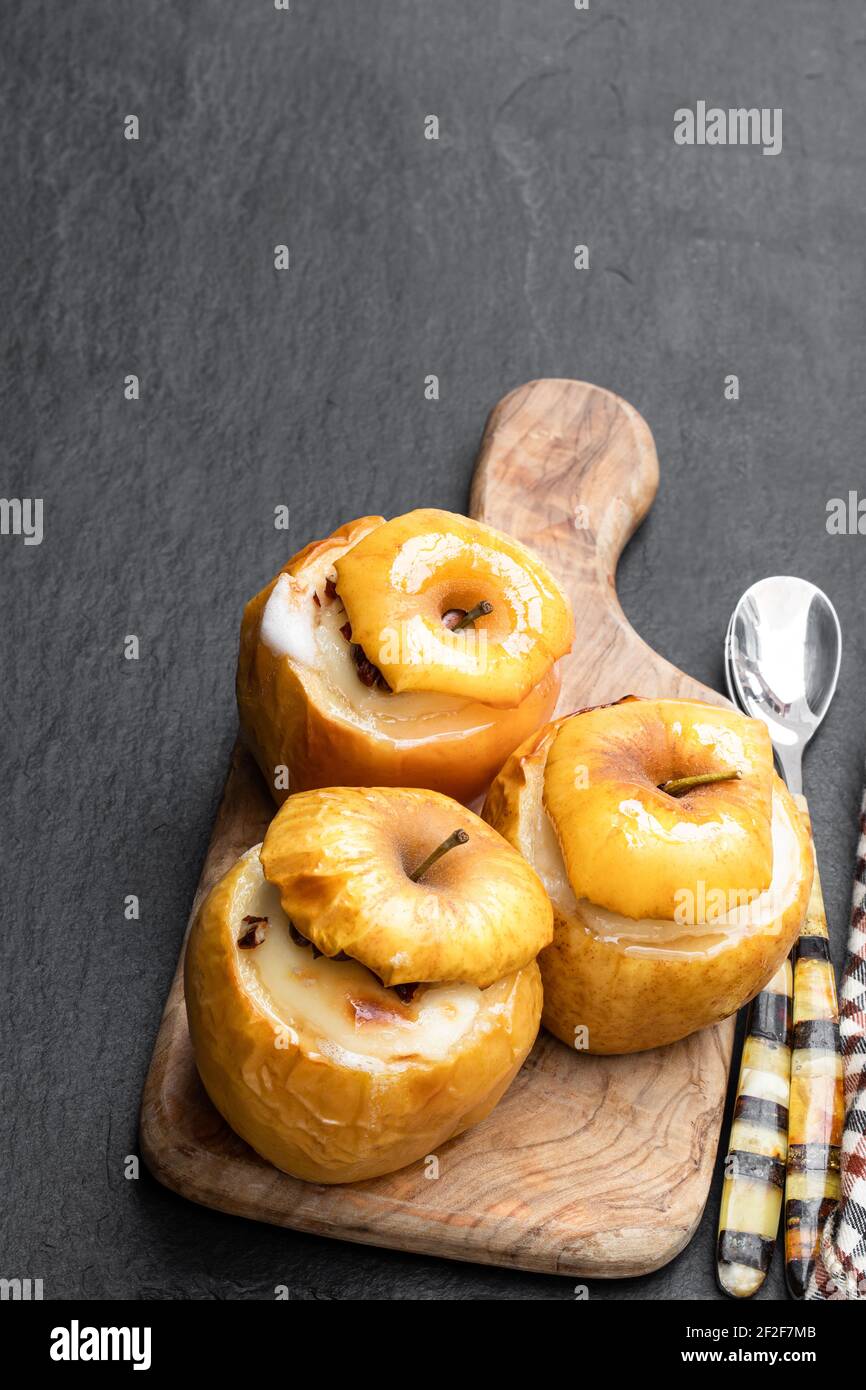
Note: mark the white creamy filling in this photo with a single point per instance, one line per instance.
(339, 1005)
(653, 935)
(287, 622)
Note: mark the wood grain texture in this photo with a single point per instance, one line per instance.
(590, 1166)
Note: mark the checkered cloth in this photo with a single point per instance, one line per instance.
(840, 1270)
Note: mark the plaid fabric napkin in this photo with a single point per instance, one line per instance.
(840, 1269)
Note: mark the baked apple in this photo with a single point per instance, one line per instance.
(362, 986)
(415, 652)
(676, 861)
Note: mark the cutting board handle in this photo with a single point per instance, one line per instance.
(572, 470)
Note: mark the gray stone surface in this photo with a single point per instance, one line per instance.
(408, 257)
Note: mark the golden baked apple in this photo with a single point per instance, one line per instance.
(676, 861)
(413, 652)
(362, 986)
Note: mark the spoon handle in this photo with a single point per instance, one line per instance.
(817, 1106)
(755, 1162)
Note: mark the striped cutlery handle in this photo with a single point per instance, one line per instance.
(817, 1107)
(755, 1163)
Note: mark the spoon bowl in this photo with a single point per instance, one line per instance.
(782, 655)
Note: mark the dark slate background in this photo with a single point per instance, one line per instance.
(409, 257)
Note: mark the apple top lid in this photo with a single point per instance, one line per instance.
(657, 801)
(403, 583)
(343, 860)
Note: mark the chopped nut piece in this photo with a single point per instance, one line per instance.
(256, 929)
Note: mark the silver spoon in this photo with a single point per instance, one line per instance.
(782, 654)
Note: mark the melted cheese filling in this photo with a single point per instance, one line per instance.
(654, 936)
(340, 1006)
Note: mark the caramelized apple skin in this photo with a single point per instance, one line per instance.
(633, 1003)
(310, 1111)
(286, 724)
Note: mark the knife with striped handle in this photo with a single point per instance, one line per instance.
(817, 1110)
(755, 1162)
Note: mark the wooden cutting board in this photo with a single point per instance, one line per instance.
(590, 1166)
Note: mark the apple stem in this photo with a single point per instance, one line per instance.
(459, 837)
(479, 611)
(706, 779)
